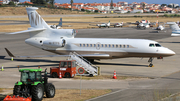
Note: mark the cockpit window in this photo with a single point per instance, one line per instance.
(158, 45)
(151, 45)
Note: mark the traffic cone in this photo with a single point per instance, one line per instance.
(60, 75)
(2, 68)
(114, 77)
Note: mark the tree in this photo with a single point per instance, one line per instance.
(51, 2)
(143, 6)
(111, 5)
(11, 3)
(170, 6)
(162, 5)
(71, 4)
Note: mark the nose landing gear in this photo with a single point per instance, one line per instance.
(150, 60)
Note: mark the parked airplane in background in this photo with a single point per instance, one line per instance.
(175, 28)
(62, 42)
(104, 25)
(160, 28)
(57, 26)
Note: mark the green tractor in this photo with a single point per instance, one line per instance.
(33, 85)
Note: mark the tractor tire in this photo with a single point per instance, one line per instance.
(37, 92)
(16, 90)
(54, 75)
(50, 90)
(67, 75)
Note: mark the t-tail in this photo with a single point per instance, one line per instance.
(35, 20)
(39, 28)
(175, 28)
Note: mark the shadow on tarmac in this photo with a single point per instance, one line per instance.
(120, 64)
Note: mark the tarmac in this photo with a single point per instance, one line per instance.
(154, 78)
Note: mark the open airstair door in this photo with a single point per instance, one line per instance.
(81, 62)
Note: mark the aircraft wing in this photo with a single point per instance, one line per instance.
(40, 56)
(27, 31)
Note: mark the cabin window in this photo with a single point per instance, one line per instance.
(105, 45)
(102, 45)
(116, 46)
(127, 46)
(120, 46)
(158, 45)
(124, 46)
(94, 45)
(80, 45)
(83, 45)
(90, 45)
(109, 45)
(87, 45)
(151, 45)
(113, 46)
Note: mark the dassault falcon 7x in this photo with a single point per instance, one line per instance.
(63, 41)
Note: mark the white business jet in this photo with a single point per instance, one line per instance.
(175, 28)
(62, 42)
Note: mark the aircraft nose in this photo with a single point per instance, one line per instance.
(170, 52)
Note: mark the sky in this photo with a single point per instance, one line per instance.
(108, 1)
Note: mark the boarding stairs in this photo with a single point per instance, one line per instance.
(82, 62)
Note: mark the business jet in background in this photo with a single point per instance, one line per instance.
(63, 41)
(175, 28)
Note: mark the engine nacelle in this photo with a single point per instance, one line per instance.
(54, 43)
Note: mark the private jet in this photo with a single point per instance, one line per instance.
(63, 41)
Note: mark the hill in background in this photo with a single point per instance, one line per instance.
(41, 11)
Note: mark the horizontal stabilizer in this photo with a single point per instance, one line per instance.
(9, 53)
(171, 23)
(28, 31)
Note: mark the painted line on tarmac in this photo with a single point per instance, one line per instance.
(107, 94)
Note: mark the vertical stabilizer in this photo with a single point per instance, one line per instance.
(35, 20)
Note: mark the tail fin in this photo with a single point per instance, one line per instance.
(60, 22)
(175, 28)
(35, 20)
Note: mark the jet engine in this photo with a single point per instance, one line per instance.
(54, 43)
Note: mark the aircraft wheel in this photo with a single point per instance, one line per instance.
(151, 65)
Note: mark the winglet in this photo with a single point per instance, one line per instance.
(9, 53)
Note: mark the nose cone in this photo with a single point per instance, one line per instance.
(169, 52)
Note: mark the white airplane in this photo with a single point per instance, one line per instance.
(104, 25)
(160, 28)
(57, 26)
(63, 41)
(175, 28)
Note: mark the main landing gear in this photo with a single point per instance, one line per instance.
(150, 60)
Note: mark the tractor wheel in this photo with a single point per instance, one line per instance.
(54, 75)
(67, 75)
(16, 90)
(37, 92)
(50, 90)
